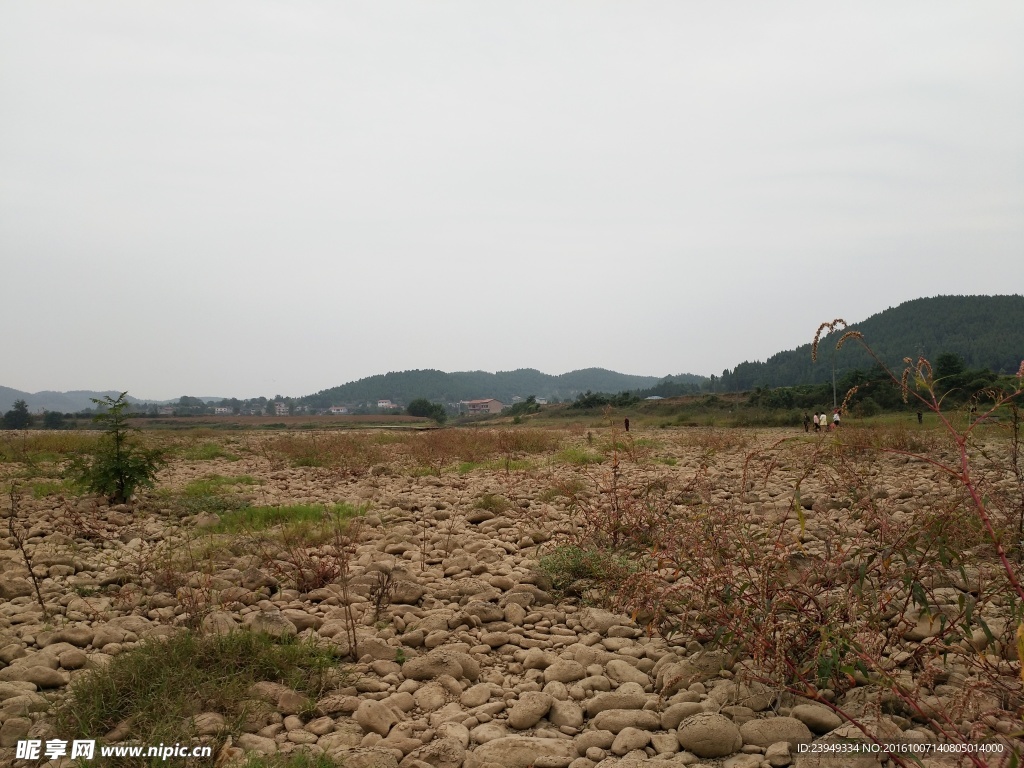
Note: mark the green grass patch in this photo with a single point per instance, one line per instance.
(580, 457)
(493, 502)
(568, 565)
(159, 685)
(207, 451)
(295, 517)
(44, 488)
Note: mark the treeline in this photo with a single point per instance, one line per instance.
(439, 386)
(874, 390)
(987, 332)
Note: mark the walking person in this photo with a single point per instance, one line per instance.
(807, 422)
(627, 424)
(817, 422)
(835, 419)
(823, 420)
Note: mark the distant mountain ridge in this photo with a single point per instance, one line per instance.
(64, 402)
(987, 331)
(439, 386)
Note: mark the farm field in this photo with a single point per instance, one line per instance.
(518, 596)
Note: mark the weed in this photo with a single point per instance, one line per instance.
(297, 519)
(157, 687)
(18, 534)
(572, 568)
(579, 457)
(207, 451)
(492, 502)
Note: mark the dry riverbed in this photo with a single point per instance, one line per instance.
(522, 597)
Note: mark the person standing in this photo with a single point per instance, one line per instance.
(817, 422)
(627, 424)
(807, 422)
(835, 419)
(823, 419)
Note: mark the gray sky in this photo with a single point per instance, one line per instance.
(246, 198)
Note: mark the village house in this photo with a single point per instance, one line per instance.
(281, 409)
(337, 410)
(220, 410)
(482, 406)
(386, 405)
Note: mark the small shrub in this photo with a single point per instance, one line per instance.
(493, 502)
(569, 564)
(119, 465)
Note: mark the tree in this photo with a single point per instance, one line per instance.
(18, 417)
(424, 408)
(948, 364)
(53, 420)
(119, 465)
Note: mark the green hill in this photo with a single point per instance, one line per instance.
(405, 386)
(987, 331)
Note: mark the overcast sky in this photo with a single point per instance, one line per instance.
(258, 198)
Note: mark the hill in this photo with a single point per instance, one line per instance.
(64, 402)
(987, 331)
(439, 386)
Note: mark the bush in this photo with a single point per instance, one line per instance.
(424, 408)
(18, 417)
(118, 466)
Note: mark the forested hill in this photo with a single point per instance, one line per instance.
(405, 386)
(987, 331)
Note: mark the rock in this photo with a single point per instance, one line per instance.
(14, 730)
(369, 758)
(564, 671)
(521, 752)
(73, 659)
(566, 713)
(250, 742)
(629, 739)
(440, 753)
(709, 735)
(529, 709)
(616, 700)
(76, 636)
(771, 730)
(41, 676)
(676, 713)
(476, 695)
(743, 761)
(778, 755)
(615, 720)
(375, 717)
(271, 623)
(14, 586)
(600, 621)
(819, 719)
(209, 723)
(219, 623)
(624, 672)
(683, 674)
(292, 703)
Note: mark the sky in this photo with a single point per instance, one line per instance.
(255, 198)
